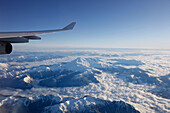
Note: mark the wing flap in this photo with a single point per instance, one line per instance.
(33, 37)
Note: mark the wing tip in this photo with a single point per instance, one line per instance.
(70, 26)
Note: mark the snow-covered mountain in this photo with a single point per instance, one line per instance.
(126, 80)
(58, 104)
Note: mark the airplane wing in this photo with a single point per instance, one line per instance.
(25, 36)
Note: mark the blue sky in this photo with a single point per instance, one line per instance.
(100, 23)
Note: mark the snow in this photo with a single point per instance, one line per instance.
(113, 85)
(28, 79)
(3, 65)
(73, 105)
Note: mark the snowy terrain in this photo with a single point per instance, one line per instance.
(85, 80)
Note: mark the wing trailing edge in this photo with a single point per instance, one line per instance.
(4, 36)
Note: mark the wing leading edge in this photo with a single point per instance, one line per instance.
(25, 36)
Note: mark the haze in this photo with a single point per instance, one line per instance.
(100, 24)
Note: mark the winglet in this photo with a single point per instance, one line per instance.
(70, 26)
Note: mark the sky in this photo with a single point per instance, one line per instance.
(100, 23)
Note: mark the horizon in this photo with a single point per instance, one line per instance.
(100, 24)
(115, 59)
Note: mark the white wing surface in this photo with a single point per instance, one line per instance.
(25, 36)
